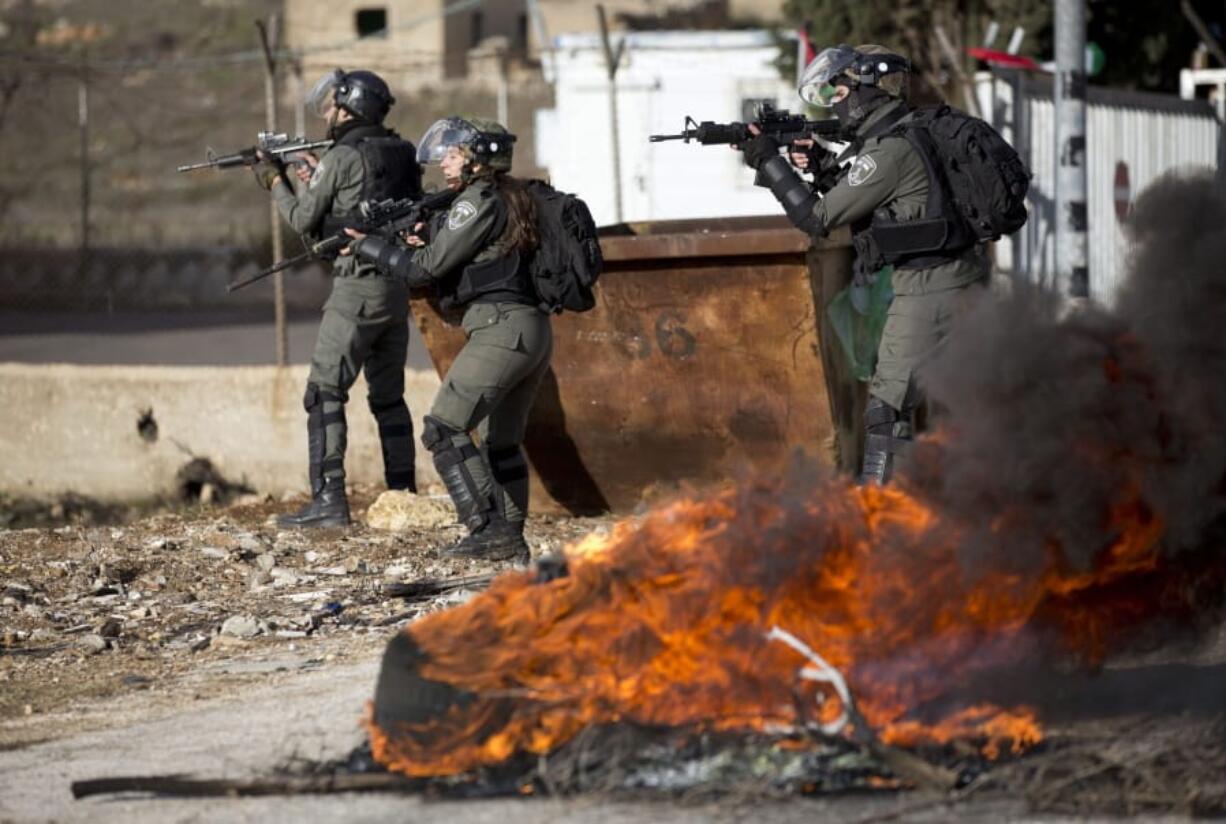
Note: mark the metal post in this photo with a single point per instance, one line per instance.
(503, 81)
(612, 57)
(268, 40)
(83, 131)
(299, 101)
(549, 58)
(1072, 249)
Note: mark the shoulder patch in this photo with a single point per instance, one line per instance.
(461, 213)
(861, 170)
(316, 175)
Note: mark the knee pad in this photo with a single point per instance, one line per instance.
(436, 435)
(441, 440)
(315, 397)
(507, 464)
(310, 398)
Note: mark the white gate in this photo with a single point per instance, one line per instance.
(1131, 139)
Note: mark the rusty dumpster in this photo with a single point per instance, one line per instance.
(703, 357)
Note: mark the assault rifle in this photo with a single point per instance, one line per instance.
(386, 218)
(779, 123)
(279, 145)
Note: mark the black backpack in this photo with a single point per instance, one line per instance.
(568, 261)
(986, 179)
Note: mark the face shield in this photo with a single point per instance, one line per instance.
(817, 83)
(321, 99)
(445, 133)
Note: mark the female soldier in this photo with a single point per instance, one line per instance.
(477, 260)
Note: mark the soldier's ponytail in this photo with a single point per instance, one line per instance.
(520, 235)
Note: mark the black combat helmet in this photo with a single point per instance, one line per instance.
(361, 93)
(484, 141)
(867, 65)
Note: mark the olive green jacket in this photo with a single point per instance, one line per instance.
(335, 188)
(889, 173)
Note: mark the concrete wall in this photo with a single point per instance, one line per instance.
(408, 56)
(74, 428)
(426, 42)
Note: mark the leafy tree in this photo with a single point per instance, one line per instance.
(1147, 42)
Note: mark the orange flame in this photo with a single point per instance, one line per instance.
(664, 621)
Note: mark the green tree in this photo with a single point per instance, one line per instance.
(1147, 42)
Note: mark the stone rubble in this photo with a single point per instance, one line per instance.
(91, 609)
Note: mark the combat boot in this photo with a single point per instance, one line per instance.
(328, 507)
(498, 540)
(887, 438)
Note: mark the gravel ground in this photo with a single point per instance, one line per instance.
(207, 642)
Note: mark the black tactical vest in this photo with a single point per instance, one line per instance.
(504, 279)
(390, 162)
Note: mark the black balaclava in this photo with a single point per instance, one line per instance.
(854, 109)
(338, 130)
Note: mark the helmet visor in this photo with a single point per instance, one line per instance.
(322, 96)
(817, 83)
(445, 133)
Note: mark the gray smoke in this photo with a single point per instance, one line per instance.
(1053, 422)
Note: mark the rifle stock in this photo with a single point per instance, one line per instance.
(384, 217)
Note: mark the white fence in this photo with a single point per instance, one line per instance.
(1132, 138)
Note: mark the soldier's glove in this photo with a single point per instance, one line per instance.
(819, 157)
(759, 149)
(267, 170)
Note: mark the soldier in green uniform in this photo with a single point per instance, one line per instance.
(477, 260)
(895, 206)
(365, 319)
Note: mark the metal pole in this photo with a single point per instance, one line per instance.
(1072, 249)
(549, 58)
(612, 57)
(502, 89)
(299, 102)
(83, 129)
(268, 39)
(83, 152)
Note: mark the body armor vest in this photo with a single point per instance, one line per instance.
(390, 163)
(389, 170)
(940, 236)
(501, 279)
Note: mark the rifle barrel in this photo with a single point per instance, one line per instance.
(656, 138)
(271, 270)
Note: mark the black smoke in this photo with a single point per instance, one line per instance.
(1052, 418)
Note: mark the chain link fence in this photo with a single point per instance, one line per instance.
(93, 215)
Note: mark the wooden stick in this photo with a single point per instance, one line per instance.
(429, 587)
(186, 787)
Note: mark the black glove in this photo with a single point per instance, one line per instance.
(267, 170)
(819, 156)
(759, 149)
